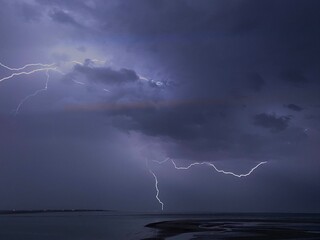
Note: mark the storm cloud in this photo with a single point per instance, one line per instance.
(294, 107)
(272, 122)
(234, 82)
(107, 75)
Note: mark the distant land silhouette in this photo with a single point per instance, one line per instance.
(52, 211)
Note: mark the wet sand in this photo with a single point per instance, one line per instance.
(236, 229)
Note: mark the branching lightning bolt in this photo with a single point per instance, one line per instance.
(26, 66)
(33, 94)
(209, 164)
(25, 73)
(40, 67)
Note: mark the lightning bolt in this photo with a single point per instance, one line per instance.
(33, 94)
(26, 66)
(215, 168)
(78, 82)
(40, 67)
(158, 83)
(76, 62)
(53, 67)
(90, 60)
(209, 164)
(25, 73)
(84, 84)
(157, 189)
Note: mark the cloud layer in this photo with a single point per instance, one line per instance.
(233, 82)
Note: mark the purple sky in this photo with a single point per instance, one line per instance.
(232, 82)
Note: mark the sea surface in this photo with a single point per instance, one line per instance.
(114, 226)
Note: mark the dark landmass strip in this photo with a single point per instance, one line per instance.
(5, 212)
(239, 229)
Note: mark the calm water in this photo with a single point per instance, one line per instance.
(104, 226)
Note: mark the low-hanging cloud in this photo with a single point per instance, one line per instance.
(271, 121)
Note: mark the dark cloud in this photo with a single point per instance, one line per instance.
(106, 75)
(294, 77)
(176, 122)
(178, 75)
(61, 16)
(272, 122)
(294, 107)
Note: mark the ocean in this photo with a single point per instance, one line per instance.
(173, 226)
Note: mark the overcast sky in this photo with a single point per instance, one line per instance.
(231, 82)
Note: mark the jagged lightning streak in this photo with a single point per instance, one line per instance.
(40, 67)
(26, 73)
(76, 62)
(195, 164)
(210, 165)
(53, 67)
(157, 189)
(33, 94)
(84, 84)
(26, 66)
(78, 82)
